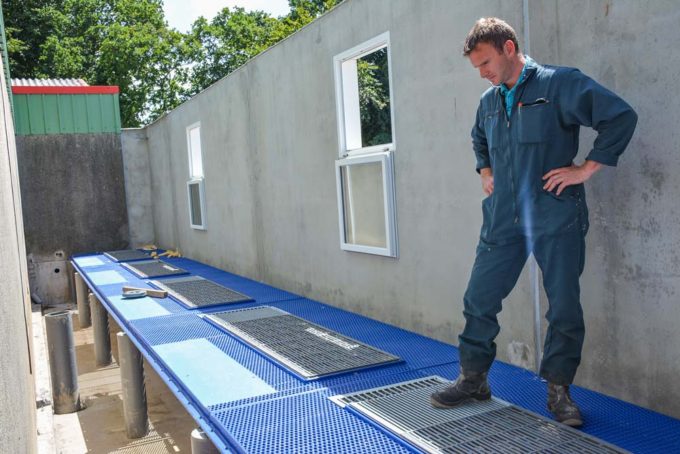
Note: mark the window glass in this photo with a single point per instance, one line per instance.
(364, 204)
(195, 202)
(195, 158)
(374, 98)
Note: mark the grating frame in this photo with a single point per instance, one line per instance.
(307, 349)
(127, 255)
(152, 268)
(490, 426)
(196, 291)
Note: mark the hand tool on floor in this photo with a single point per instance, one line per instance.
(149, 291)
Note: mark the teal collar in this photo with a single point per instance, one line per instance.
(509, 93)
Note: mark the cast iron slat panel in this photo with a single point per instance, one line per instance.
(491, 426)
(153, 268)
(260, 292)
(303, 347)
(195, 291)
(126, 255)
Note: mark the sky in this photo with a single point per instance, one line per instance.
(180, 14)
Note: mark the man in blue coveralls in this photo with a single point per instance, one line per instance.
(525, 139)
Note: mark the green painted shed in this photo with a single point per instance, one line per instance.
(64, 106)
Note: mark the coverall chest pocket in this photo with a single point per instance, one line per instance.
(535, 121)
(491, 125)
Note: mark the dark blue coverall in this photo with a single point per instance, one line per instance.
(520, 217)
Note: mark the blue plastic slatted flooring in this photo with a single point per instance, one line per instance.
(282, 413)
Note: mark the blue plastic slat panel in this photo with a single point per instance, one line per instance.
(305, 423)
(212, 376)
(174, 328)
(279, 421)
(137, 308)
(106, 277)
(87, 262)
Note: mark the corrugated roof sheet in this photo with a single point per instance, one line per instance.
(49, 83)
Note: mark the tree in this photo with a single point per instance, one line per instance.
(374, 98)
(233, 37)
(128, 43)
(105, 42)
(25, 30)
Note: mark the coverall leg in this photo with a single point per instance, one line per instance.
(494, 274)
(561, 259)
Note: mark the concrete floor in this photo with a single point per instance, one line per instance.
(99, 427)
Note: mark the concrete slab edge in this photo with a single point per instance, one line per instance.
(43, 389)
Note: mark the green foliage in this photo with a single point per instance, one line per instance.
(129, 44)
(231, 39)
(374, 98)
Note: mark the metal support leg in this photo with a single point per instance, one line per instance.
(100, 329)
(81, 301)
(201, 444)
(63, 370)
(134, 393)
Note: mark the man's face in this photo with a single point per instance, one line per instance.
(494, 66)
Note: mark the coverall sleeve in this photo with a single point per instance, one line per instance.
(583, 101)
(479, 143)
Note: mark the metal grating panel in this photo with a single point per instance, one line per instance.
(195, 291)
(153, 268)
(127, 255)
(303, 347)
(492, 426)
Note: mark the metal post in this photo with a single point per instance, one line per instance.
(201, 444)
(63, 370)
(100, 329)
(134, 393)
(81, 301)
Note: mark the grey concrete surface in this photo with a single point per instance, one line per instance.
(73, 198)
(631, 284)
(269, 138)
(17, 392)
(137, 188)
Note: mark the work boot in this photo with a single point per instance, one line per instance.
(469, 386)
(562, 407)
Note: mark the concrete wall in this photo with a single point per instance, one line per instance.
(269, 139)
(137, 186)
(17, 398)
(73, 199)
(631, 284)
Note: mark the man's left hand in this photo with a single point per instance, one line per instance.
(567, 176)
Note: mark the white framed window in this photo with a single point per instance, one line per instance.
(366, 203)
(196, 184)
(366, 146)
(196, 191)
(364, 97)
(195, 153)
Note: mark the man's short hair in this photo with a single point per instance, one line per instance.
(490, 30)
